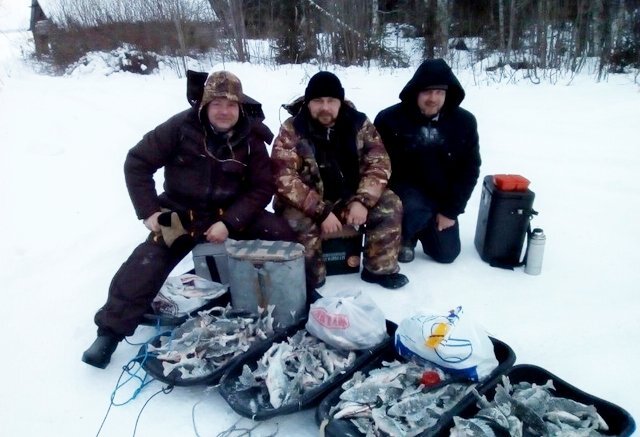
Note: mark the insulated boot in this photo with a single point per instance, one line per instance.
(99, 353)
(389, 280)
(406, 254)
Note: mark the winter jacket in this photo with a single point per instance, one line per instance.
(209, 176)
(438, 155)
(317, 168)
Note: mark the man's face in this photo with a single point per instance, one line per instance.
(223, 113)
(430, 102)
(325, 110)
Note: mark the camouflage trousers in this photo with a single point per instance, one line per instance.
(381, 238)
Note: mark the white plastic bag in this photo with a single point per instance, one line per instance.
(347, 320)
(180, 295)
(453, 342)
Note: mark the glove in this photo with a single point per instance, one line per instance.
(170, 227)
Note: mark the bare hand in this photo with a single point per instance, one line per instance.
(217, 233)
(151, 222)
(356, 214)
(443, 222)
(331, 224)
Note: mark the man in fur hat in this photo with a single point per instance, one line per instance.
(435, 158)
(331, 171)
(217, 182)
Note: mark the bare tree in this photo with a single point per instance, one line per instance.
(527, 34)
(501, 24)
(512, 28)
(295, 37)
(617, 23)
(231, 15)
(429, 28)
(443, 20)
(541, 42)
(375, 21)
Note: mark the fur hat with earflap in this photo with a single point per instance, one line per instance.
(222, 84)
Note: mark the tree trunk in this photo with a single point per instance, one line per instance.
(512, 28)
(580, 31)
(501, 25)
(541, 32)
(429, 26)
(239, 31)
(599, 29)
(443, 26)
(177, 22)
(230, 14)
(375, 21)
(618, 23)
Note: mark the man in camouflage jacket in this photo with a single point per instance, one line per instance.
(217, 182)
(331, 171)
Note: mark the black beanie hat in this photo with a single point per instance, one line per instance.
(324, 84)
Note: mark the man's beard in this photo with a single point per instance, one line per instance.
(326, 118)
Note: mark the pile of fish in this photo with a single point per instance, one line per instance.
(394, 400)
(204, 343)
(527, 409)
(290, 369)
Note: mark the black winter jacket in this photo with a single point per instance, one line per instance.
(447, 165)
(208, 176)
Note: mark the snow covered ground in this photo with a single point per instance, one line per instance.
(68, 225)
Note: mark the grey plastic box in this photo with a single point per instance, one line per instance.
(210, 262)
(264, 273)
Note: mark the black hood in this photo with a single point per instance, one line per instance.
(433, 72)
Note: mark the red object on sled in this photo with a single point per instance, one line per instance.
(510, 182)
(430, 378)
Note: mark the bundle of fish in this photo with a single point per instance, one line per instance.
(290, 369)
(527, 409)
(398, 399)
(205, 343)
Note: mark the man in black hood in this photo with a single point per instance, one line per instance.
(435, 159)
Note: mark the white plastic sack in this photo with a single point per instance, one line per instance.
(453, 342)
(347, 320)
(180, 295)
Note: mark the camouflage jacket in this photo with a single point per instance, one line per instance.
(297, 175)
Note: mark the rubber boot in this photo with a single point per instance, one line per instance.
(406, 254)
(389, 280)
(99, 353)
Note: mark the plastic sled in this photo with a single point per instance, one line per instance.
(345, 428)
(619, 421)
(241, 401)
(153, 365)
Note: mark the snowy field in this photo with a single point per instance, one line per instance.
(68, 225)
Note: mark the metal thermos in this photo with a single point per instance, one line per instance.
(535, 252)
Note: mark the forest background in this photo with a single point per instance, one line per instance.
(539, 38)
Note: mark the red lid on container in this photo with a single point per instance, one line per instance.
(510, 182)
